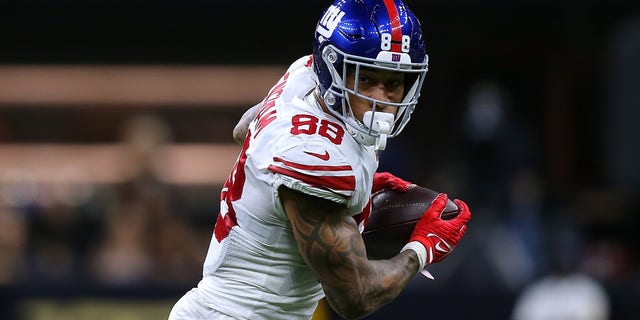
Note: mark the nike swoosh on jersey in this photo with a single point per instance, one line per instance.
(320, 156)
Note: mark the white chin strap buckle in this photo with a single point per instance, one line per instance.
(382, 122)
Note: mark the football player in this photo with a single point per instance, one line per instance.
(293, 207)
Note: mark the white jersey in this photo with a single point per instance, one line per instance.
(253, 269)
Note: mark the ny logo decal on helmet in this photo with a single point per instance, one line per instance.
(330, 21)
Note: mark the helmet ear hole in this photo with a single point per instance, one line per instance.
(331, 55)
(330, 99)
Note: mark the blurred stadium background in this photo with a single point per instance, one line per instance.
(115, 138)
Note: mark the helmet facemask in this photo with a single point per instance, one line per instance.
(376, 126)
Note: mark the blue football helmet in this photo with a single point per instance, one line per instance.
(376, 34)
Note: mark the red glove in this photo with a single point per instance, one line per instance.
(386, 180)
(433, 238)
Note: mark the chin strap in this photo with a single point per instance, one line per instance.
(382, 122)
(381, 142)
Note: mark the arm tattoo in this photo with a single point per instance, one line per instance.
(331, 244)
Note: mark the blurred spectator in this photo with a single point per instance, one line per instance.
(122, 257)
(145, 239)
(496, 169)
(13, 242)
(572, 296)
(566, 291)
(496, 145)
(515, 243)
(53, 244)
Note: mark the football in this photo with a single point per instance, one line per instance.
(393, 217)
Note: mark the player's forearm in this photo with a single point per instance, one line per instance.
(373, 285)
(242, 127)
(354, 285)
(330, 242)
